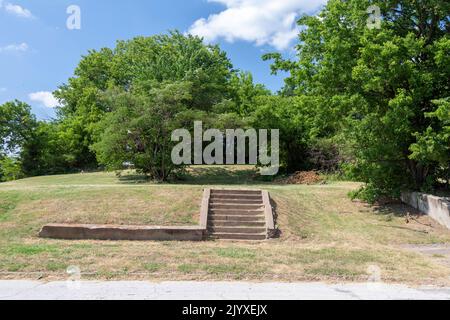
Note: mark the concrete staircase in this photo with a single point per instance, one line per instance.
(236, 215)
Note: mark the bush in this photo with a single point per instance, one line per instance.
(10, 169)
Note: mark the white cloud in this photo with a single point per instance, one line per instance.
(258, 21)
(15, 9)
(44, 97)
(21, 47)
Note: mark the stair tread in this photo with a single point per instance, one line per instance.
(234, 213)
(235, 206)
(238, 195)
(238, 236)
(235, 216)
(234, 209)
(238, 227)
(244, 201)
(215, 221)
(249, 205)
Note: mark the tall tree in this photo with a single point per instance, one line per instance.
(138, 131)
(16, 126)
(378, 84)
(138, 65)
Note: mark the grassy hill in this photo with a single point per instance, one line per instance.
(323, 234)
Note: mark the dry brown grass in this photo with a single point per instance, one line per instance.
(127, 205)
(324, 235)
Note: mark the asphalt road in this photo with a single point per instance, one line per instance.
(131, 290)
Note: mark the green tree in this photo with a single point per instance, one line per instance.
(138, 130)
(290, 116)
(16, 125)
(433, 145)
(377, 85)
(10, 169)
(44, 152)
(245, 93)
(137, 65)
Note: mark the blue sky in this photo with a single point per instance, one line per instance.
(38, 52)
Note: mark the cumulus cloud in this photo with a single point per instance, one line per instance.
(45, 98)
(258, 21)
(21, 47)
(15, 9)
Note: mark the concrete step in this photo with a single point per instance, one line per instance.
(236, 215)
(236, 201)
(236, 218)
(242, 192)
(239, 236)
(236, 206)
(231, 223)
(233, 229)
(237, 196)
(235, 212)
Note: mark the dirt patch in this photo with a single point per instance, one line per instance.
(303, 177)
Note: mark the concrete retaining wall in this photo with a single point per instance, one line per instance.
(437, 208)
(142, 233)
(111, 232)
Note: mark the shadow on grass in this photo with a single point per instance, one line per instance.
(277, 233)
(222, 175)
(207, 175)
(397, 209)
(133, 179)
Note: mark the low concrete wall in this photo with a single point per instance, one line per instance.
(437, 208)
(268, 212)
(111, 232)
(132, 233)
(204, 209)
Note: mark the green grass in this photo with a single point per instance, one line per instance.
(101, 204)
(153, 267)
(323, 234)
(29, 250)
(236, 253)
(187, 268)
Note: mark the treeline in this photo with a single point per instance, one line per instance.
(369, 104)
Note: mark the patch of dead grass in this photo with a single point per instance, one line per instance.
(324, 235)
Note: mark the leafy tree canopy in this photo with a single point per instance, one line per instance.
(379, 87)
(138, 66)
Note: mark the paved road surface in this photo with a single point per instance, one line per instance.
(212, 291)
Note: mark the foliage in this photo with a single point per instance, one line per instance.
(378, 88)
(10, 169)
(288, 115)
(45, 151)
(245, 93)
(16, 125)
(138, 131)
(138, 65)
